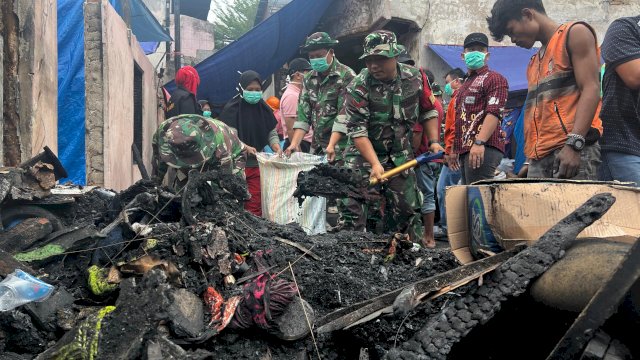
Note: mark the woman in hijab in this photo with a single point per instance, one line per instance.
(183, 99)
(256, 126)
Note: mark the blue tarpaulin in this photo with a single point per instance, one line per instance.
(71, 90)
(510, 61)
(518, 134)
(265, 49)
(144, 25)
(149, 47)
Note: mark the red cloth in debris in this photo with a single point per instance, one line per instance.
(263, 300)
(253, 205)
(221, 311)
(188, 78)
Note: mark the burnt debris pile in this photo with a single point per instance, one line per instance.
(153, 273)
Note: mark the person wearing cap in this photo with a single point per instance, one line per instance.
(479, 108)
(382, 105)
(426, 174)
(298, 68)
(193, 142)
(404, 56)
(322, 98)
(562, 123)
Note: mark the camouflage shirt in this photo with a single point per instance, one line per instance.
(386, 112)
(320, 103)
(228, 152)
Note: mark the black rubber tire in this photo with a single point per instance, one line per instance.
(12, 212)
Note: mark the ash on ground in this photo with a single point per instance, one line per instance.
(195, 254)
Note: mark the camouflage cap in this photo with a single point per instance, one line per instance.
(186, 141)
(404, 56)
(319, 40)
(381, 42)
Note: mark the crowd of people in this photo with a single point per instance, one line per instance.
(391, 112)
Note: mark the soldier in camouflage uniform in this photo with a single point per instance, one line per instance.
(322, 98)
(382, 106)
(187, 142)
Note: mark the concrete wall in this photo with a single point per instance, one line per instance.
(110, 54)
(43, 73)
(1, 98)
(94, 90)
(149, 106)
(30, 81)
(118, 100)
(448, 22)
(197, 39)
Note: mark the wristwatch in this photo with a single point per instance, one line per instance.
(576, 141)
(480, 142)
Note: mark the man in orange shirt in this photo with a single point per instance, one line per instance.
(450, 174)
(561, 121)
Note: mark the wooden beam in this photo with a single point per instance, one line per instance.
(23, 235)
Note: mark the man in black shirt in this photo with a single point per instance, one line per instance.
(621, 102)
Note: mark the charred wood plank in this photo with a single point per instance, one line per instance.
(23, 235)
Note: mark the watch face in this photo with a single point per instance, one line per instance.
(578, 144)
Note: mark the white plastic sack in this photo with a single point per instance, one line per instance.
(313, 215)
(278, 182)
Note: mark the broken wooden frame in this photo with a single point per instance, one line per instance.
(433, 287)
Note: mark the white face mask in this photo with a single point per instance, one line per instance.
(290, 79)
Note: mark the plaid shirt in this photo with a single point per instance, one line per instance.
(484, 92)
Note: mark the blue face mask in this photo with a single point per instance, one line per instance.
(206, 113)
(320, 64)
(252, 97)
(474, 59)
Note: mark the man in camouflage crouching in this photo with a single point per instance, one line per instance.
(189, 141)
(382, 105)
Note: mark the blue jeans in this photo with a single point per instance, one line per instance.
(448, 177)
(426, 176)
(620, 166)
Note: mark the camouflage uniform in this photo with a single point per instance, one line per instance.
(187, 142)
(322, 98)
(386, 113)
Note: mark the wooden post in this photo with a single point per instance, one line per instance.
(177, 58)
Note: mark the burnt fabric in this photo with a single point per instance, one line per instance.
(263, 299)
(253, 121)
(221, 310)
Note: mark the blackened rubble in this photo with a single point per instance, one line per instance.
(331, 181)
(351, 269)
